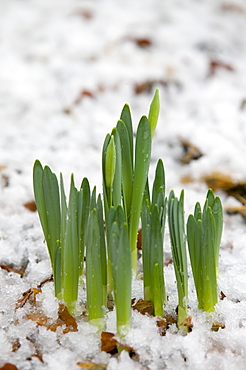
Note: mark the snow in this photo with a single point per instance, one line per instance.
(50, 51)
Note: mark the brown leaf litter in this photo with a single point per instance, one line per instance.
(144, 307)
(216, 326)
(111, 345)
(31, 206)
(8, 366)
(92, 365)
(12, 268)
(215, 65)
(37, 315)
(220, 181)
(29, 295)
(64, 318)
(191, 151)
(148, 85)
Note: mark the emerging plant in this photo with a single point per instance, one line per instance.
(204, 230)
(153, 224)
(64, 228)
(120, 258)
(105, 231)
(46, 192)
(96, 264)
(178, 242)
(125, 167)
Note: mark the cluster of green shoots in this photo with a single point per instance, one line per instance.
(102, 232)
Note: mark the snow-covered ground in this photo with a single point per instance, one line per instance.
(66, 69)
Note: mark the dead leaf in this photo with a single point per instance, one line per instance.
(82, 94)
(171, 319)
(139, 240)
(67, 110)
(32, 338)
(186, 179)
(148, 86)
(8, 366)
(168, 260)
(4, 180)
(47, 280)
(162, 326)
(142, 42)
(234, 210)
(64, 317)
(15, 345)
(15, 269)
(188, 324)
(67, 318)
(191, 152)
(92, 365)
(220, 181)
(29, 295)
(144, 307)
(84, 13)
(31, 206)
(231, 7)
(214, 65)
(217, 325)
(108, 343)
(39, 356)
(222, 296)
(41, 320)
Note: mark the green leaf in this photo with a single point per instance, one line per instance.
(158, 289)
(110, 162)
(94, 276)
(142, 161)
(105, 190)
(123, 283)
(83, 216)
(178, 243)
(64, 211)
(120, 257)
(152, 254)
(71, 260)
(102, 248)
(159, 181)
(46, 192)
(127, 119)
(52, 206)
(116, 189)
(39, 196)
(127, 166)
(146, 250)
(154, 112)
(204, 233)
(93, 203)
(157, 257)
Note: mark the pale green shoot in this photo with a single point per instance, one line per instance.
(154, 111)
(178, 243)
(204, 230)
(120, 257)
(153, 224)
(46, 193)
(96, 266)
